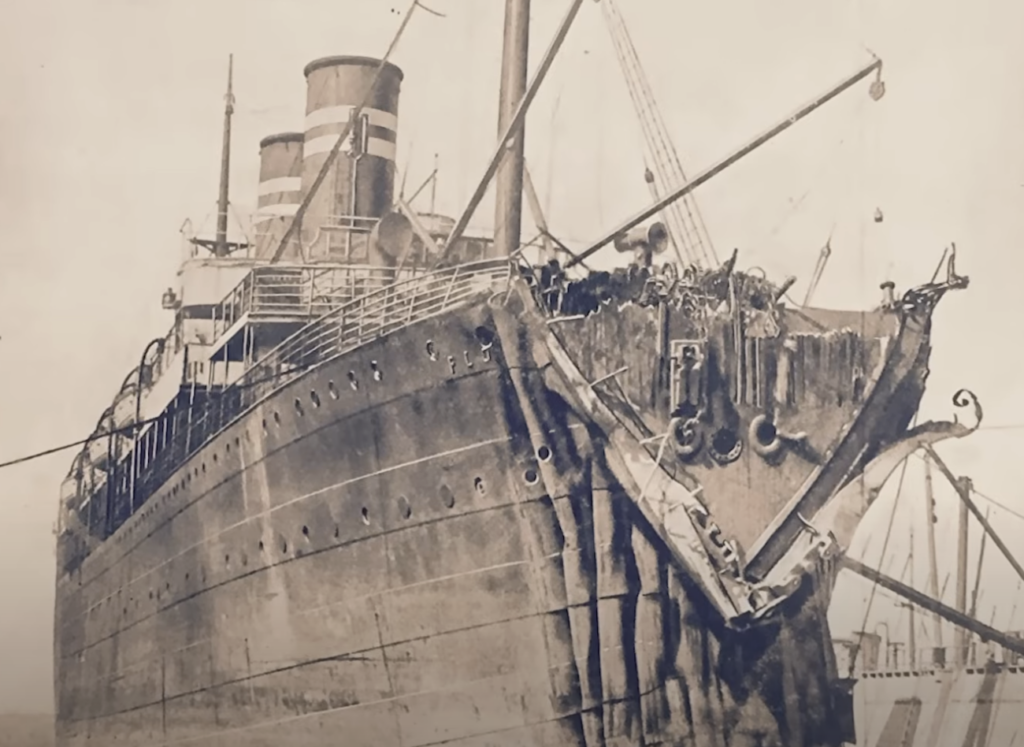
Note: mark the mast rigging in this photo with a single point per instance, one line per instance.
(685, 224)
(956, 617)
(729, 160)
(964, 489)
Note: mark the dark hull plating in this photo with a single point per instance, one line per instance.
(341, 576)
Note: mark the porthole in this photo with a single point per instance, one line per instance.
(366, 515)
(332, 390)
(314, 398)
(447, 496)
(403, 507)
(484, 336)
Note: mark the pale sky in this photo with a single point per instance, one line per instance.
(110, 138)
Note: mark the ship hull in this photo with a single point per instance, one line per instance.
(374, 559)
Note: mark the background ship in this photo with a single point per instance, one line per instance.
(917, 684)
(243, 557)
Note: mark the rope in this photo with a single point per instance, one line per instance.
(1002, 506)
(885, 545)
(80, 442)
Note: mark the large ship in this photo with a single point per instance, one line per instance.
(387, 483)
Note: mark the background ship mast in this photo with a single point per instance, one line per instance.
(962, 616)
(933, 563)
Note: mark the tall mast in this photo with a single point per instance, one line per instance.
(509, 187)
(961, 640)
(221, 243)
(912, 638)
(875, 92)
(933, 562)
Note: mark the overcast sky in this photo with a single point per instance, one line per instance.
(110, 138)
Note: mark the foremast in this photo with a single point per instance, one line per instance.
(509, 181)
(221, 241)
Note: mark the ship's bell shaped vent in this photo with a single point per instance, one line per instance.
(393, 236)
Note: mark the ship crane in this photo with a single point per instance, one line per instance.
(664, 170)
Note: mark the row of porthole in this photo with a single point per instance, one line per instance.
(484, 336)
(447, 497)
(314, 397)
(530, 476)
(353, 381)
(332, 391)
(201, 468)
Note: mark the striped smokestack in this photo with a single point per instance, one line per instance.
(361, 180)
(279, 193)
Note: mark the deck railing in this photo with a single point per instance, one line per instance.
(303, 292)
(197, 417)
(372, 315)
